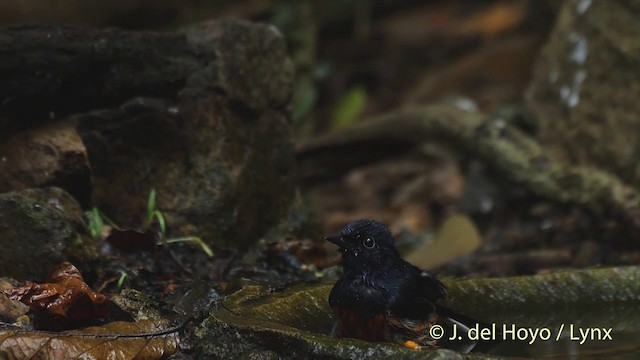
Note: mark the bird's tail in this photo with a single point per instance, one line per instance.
(467, 330)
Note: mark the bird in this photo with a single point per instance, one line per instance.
(380, 297)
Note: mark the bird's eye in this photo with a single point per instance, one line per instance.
(369, 243)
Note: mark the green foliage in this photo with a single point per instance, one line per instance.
(153, 213)
(95, 223)
(121, 279)
(96, 220)
(350, 107)
(194, 239)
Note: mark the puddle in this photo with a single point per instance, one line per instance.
(585, 314)
(580, 332)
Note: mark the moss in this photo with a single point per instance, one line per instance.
(296, 323)
(43, 227)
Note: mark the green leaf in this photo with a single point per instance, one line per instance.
(350, 107)
(121, 279)
(207, 250)
(161, 222)
(95, 223)
(151, 206)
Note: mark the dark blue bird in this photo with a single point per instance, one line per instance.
(382, 298)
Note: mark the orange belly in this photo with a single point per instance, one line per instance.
(355, 324)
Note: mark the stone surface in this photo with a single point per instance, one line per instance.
(39, 229)
(292, 325)
(202, 114)
(219, 153)
(51, 155)
(55, 71)
(586, 85)
(10, 310)
(136, 304)
(295, 323)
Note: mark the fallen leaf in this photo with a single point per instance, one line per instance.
(67, 296)
(132, 240)
(144, 340)
(457, 236)
(496, 19)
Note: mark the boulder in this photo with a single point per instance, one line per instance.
(202, 115)
(586, 83)
(39, 229)
(50, 155)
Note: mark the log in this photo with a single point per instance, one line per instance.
(513, 157)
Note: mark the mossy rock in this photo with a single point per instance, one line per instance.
(296, 323)
(39, 229)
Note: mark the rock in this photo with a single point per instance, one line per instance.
(247, 62)
(585, 86)
(51, 155)
(219, 154)
(55, 71)
(295, 323)
(136, 304)
(39, 229)
(11, 310)
(203, 115)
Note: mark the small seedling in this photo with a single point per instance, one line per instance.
(153, 213)
(194, 239)
(95, 223)
(121, 279)
(96, 220)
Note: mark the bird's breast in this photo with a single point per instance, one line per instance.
(360, 325)
(358, 292)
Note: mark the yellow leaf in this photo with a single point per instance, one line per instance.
(457, 236)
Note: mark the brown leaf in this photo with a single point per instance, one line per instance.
(496, 19)
(458, 235)
(117, 340)
(67, 296)
(130, 240)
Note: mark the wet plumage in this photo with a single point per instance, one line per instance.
(380, 296)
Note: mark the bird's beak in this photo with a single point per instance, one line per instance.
(338, 240)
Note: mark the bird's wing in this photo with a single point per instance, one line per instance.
(401, 329)
(430, 287)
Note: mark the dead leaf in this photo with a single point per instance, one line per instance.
(496, 19)
(117, 340)
(457, 236)
(130, 240)
(67, 296)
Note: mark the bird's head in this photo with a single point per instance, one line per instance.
(365, 243)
